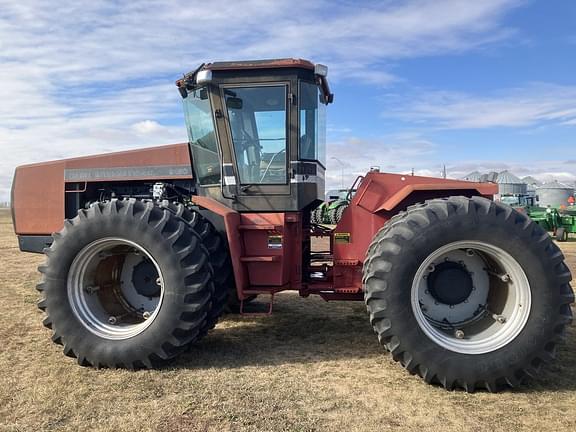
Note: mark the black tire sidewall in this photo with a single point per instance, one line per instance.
(509, 236)
(65, 322)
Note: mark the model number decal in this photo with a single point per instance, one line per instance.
(342, 237)
(274, 241)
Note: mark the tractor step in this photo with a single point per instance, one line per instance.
(263, 258)
(254, 314)
(260, 227)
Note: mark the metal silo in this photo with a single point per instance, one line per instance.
(509, 184)
(531, 181)
(554, 194)
(473, 177)
(532, 184)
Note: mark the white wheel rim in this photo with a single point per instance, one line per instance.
(116, 310)
(493, 314)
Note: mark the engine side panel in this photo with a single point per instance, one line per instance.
(39, 190)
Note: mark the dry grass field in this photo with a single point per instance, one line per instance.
(312, 366)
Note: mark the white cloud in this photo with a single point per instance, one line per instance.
(147, 127)
(407, 152)
(533, 104)
(400, 153)
(88, 77)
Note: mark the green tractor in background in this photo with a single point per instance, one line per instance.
(561, 222)
(330, 211)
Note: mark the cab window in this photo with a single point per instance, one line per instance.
(312, 124)
(257, 118)
(200, 126)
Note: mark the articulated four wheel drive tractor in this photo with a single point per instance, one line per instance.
(145, 249)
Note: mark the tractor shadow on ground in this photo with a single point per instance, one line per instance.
(299, 331)
(303, 331)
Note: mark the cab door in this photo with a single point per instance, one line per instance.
(257, 118)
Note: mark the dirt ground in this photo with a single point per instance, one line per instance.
(312, 366)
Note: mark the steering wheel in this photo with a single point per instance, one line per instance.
(253, 156)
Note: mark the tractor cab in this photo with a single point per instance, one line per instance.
(257, 132)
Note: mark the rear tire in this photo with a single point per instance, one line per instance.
(337, 214)
(331, 216)
(100, 296)
(561, 234)
(218, 257)
(316, 216)
(495, 346)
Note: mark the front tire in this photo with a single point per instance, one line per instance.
(467, 293)
(126, 284)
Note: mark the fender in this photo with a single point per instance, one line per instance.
(380, 196)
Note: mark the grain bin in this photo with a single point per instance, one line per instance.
(554, 194)
(473, 177)
(509, 184)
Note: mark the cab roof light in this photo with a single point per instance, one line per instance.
(320, 69)
(204, 76)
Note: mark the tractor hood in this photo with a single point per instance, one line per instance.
(38, 190)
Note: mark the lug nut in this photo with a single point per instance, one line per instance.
(112, 320)
(431, 268)
(146, 315)
(459, 334)
(500, 318)
(91, 289)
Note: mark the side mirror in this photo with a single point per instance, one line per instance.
(234, 103)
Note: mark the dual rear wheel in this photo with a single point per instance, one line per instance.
(132, 284)
(467, 293)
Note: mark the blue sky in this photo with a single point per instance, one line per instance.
(482, 85)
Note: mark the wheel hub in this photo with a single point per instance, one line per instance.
(145, 279)
(450, 283)
(115, 288)
(471, 297)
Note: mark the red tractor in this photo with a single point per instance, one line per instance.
(145, 249)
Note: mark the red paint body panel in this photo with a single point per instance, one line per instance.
(284, 271)
(38, 189)
(38, 198)
(259, 265)
(172, 154)
(380, 196)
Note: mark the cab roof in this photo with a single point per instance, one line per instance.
(260, 64)
(190, 80)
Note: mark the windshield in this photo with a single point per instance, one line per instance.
(257, 118)
(200, 126)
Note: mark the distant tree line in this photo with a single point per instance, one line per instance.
(4, 204)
